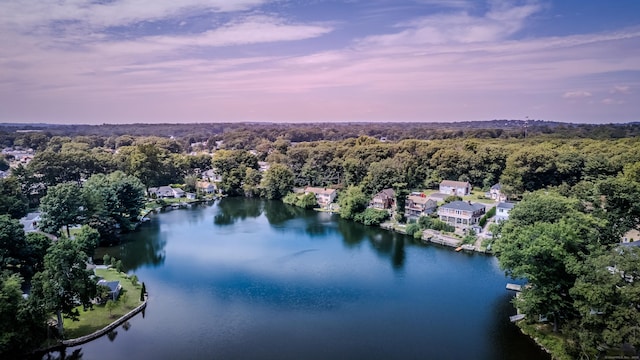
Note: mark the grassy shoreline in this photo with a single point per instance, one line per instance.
(99, 316)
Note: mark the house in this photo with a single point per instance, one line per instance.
(166, 192)
(383, 200)
(461, 213)
(263, 166)
(191, 196)
(419, 205)
(502, 211)
(205, 187)
(496, 193)
(30, 221)
(460, 188)
(114, 288)
(631, 236)
(212, 175)
(178, 193)
(324, 196)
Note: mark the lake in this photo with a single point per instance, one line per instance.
(254, 279)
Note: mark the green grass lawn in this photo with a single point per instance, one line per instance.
(99, 317)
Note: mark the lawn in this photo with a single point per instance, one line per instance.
(99, 317)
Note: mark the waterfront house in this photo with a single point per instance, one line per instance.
(461, 214)
(383, 200)
(419, 205)
(205, 187)
(114, 288)
(324, 196)
(166, 192)
(502, 211)
(191, 196)
(496, 193)
(178, 193)
(460, 188)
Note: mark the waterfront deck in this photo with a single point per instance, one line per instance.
(514, 287)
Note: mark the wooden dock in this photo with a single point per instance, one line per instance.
(514, 287)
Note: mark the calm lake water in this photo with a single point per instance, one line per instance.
(253, 279)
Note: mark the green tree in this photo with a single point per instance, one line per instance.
(543, 241)
(619, 204)
(37, 245)
(606, 295)
(65, 282)
(63, 205)
(277, 181)
(88, 239)
(352, 201)
(22, 326)
(12, 201)
(117, 196)
(12, 245)
(110, 306)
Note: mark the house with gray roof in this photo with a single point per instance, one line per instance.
(502, 211)
(460, 188)
(419, 205)
(383, 200)
(496, 193)
(461, 214)
(166, 192)
(114, 288)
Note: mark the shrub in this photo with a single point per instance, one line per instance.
(372, 216)
(412, 229)
(452, 198)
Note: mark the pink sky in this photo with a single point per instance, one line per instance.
(258, 60)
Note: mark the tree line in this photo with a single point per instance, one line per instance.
(558, 241)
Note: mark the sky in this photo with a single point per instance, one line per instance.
(302, 61)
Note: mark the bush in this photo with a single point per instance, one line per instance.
(372, 216)
(491, 213)
(452, 198)
(425, 222)
(412, 229)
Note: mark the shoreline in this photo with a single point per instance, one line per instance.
(63, 344)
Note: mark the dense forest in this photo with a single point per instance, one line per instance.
(578, 187)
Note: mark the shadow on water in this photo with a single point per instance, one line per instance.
(510, 344)
(145, 247)
(387, 244)
(230, 210)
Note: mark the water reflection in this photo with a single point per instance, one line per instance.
(144, 247)
(282, 280)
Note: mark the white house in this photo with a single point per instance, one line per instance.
(166, 192)
(502, 211)
(30, 221)
(460, 188)
(324, 196)
(263, 166)
(461, 213)
(496, 193)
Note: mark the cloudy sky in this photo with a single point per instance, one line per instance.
(124, 61)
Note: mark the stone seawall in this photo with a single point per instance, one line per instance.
(84, 339)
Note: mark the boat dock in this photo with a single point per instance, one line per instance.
(514, 287)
